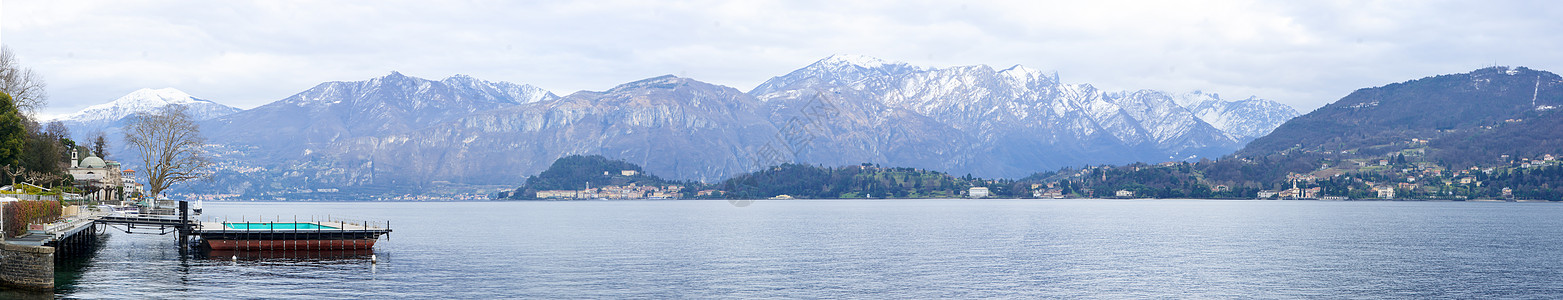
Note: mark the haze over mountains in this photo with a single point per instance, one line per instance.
(408, 131)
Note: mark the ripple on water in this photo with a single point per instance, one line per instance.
(882, 249)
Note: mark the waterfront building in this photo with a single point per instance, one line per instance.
(1386, 192)
(1312, 193)
(1048, 193)
(977, 192)
(557, 194)
(92, 173)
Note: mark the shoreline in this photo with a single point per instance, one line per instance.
(835, 199)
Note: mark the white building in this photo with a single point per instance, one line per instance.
(96, 172)
(977, 192)
(1386, 192)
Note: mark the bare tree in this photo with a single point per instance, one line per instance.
(57, 130)
(31, 177)
(14, 171)
(25, 87)
(170, 145)
(44, 179)
(49, 179)
(100, 144)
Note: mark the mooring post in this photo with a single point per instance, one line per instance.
(184, 225)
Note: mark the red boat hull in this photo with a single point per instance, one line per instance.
(290, 244)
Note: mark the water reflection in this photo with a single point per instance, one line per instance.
(68, 269)
(360, 254)
(880, 249)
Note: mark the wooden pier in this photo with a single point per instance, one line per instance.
(28, 261)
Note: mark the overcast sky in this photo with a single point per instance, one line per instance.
(1304, 54)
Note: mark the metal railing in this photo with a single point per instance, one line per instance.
(327, 220)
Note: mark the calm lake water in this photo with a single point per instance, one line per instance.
(879, 249)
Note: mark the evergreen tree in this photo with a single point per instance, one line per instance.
(12, 132)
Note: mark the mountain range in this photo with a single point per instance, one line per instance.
(845, 109)
(1003, 123)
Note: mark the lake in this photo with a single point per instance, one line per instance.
(871, 248)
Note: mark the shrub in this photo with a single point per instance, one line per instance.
(20, 214)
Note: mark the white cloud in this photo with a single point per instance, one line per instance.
(1304, 54)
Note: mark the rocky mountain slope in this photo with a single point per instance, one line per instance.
(1003, 123)
(404, 131)
(316, 138)
(346, 112)
(670, 125)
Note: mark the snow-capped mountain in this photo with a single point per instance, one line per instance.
(669, 125)
(1244, 120)
(394, 104)
(107, 115)
(1005, 123)
(405, 131)
(337, 123)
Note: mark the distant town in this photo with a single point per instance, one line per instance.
(630, 191)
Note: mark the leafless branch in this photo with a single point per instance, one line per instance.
(171, 147)
(25, 87)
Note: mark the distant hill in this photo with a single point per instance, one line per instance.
(1493, 133)
(860, 181)
(576, 171)
(1426, 109)
(1528, 135)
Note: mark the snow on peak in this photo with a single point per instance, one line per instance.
(1194, 98)
(1022, 70)
(862, 61)
(149, 98)
(146, 100)
(1024, 73)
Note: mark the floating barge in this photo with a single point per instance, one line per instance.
(266, 236)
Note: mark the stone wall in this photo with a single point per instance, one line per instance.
(28, 267)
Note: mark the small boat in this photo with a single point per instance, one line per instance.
(126, 210)
(196, 207)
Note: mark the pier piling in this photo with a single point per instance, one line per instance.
(184, 226)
